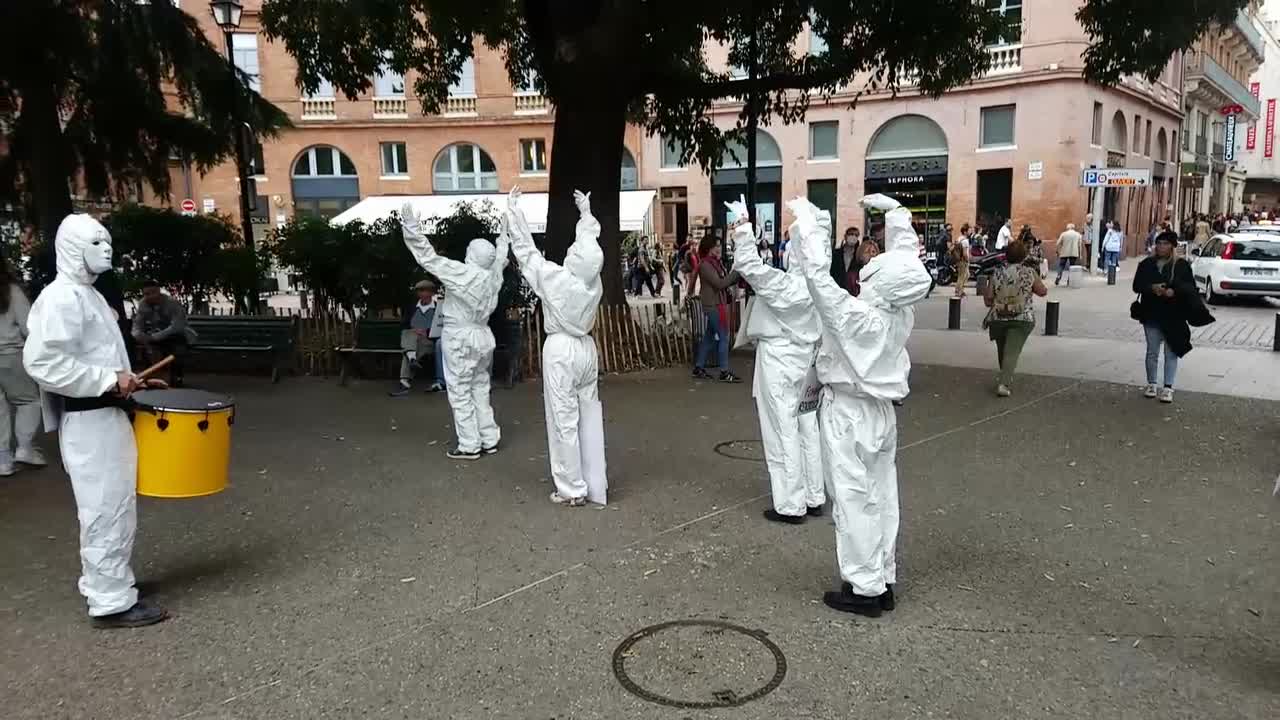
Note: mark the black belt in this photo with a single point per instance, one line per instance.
(75, 404)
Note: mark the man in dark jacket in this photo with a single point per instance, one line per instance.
(844, 262)
(419, 330)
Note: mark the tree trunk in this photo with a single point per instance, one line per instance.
(47, 168)
(586, 155)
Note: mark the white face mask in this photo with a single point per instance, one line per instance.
(97, 257)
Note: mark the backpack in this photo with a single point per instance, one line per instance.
(1009, 301)
(957, 251)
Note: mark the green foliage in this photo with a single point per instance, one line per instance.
(192, 257)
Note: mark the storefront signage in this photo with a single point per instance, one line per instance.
(1251, 135)
(1120, 177)
(1269, 133)
(1229, 147)
(906, 170)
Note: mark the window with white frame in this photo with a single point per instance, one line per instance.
(997, 126)
(466, 83)
(672, 150)
(464, 168)
(323, 91)
(244, 53)
(395, 158)
(324, 160)
(533, 155)
(388, 83)
(824, 140)
(817, 45)
(1011, 10)
(528, 86)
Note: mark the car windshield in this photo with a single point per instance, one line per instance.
(1264, 250)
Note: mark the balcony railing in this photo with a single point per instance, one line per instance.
(390, 107)
(530, 103)
(1245, 27)
(1201, 67)
(318, 109)
(1005, 59)
(460, 106)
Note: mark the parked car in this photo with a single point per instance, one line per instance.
(1238, 264)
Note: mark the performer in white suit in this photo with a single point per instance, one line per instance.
(786, 329)
(570, 296)
(471, 295)
(863, 363)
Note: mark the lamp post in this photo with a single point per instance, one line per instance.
(227, 13)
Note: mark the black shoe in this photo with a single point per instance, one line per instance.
(775, 516)
(728, 377)
(700, 374)
(456, 454)
(489, 450)
(401, 391)
(140, 615)
(886, 598)
(848, 602)
(814, 511)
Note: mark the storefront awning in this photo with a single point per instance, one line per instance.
(634, 208)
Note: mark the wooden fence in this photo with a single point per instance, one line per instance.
(628, 338)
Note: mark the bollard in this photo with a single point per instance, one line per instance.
(953, 314)
(1111, 275)
(1275, 343)
(1051, 317)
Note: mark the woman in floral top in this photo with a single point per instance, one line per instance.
(1011, 317)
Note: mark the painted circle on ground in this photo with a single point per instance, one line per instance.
(749, 450)
(699, 664)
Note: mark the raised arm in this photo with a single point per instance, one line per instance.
(841, 313)
(449, 271)
(768, 282)
(530, 261)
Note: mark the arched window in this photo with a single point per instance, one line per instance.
(464, 167)
(907, 136)
(767, 152)
(630, 177)
(1162, 146)
(1118, 139)
(323, 160)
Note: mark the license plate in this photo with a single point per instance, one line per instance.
(1259, 271)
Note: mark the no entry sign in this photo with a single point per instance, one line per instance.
(188, 207)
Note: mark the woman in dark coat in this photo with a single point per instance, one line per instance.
(1168, 297)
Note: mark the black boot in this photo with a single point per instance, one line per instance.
(140, 615)
(886, 598)
(845, 601)
(775, 516)
(814, 511)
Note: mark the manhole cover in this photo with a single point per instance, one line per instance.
(699, 664)
(752, 450)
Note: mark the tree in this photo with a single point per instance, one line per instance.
(604, 62)
(103, 93)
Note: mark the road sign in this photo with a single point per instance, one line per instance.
(188, 207)
(1115, 177)
(1229, 149)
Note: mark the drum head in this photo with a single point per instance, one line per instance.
(182, 400)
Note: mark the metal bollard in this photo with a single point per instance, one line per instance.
(1051, 309)
(1111, 275)
(1275, 343)
(953, 314)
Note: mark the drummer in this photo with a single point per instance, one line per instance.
(76, 354)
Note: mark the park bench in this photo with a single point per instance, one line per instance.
(273, 336)
(372, 337)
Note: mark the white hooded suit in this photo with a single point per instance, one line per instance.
(471, 295)
(786, 329)
(863, 363)
(74, 349)
(570, 297)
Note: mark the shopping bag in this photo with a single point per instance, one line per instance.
(591, 447)
(811, 394)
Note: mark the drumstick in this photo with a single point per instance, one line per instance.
(142, 376)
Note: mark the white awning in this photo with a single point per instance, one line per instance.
(634, 208)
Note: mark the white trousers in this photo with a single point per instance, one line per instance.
(99, 454)
(20, 413)
(468, 364)
(859, 448)
(792, 448)
(569, 375)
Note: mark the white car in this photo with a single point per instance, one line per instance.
(1238, 264)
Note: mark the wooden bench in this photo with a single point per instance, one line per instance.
(373, 337)
(274, 336)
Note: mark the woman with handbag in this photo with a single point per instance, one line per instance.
(1168, 304)
(1011, 318)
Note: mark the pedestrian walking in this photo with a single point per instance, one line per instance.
(1005, 235)
(1202, 231)
(1011, 318)
(960, 258)
(717, 297)
(19, 397)
(1068, 248)
(1111, 245)
(1168, 302)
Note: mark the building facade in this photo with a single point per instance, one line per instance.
(1258, 149)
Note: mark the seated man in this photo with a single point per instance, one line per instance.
(160, 327)
(419, 330)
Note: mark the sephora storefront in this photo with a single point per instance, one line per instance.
(907, 160)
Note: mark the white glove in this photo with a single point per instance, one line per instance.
(411, 227)
(880, 202)
(738, 208)
(582, 201)
(802, 209)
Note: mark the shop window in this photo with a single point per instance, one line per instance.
(997, 126)
(824, 140)
(395, 159)
(533, 155)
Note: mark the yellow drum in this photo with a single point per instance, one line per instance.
(184, 442)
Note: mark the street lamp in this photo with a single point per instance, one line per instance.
(226, 13)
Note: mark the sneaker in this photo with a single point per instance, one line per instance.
(31, 456)
(401, 391)
(1003, 391)
(851, 603)
(728, 377)
(1166, 395)
(436, 387)
(775, 516)
(457, 454)
(700, 374)
(489, 450)
(7, 468)
(1150, 392)
(559, 499)
(140, 615)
